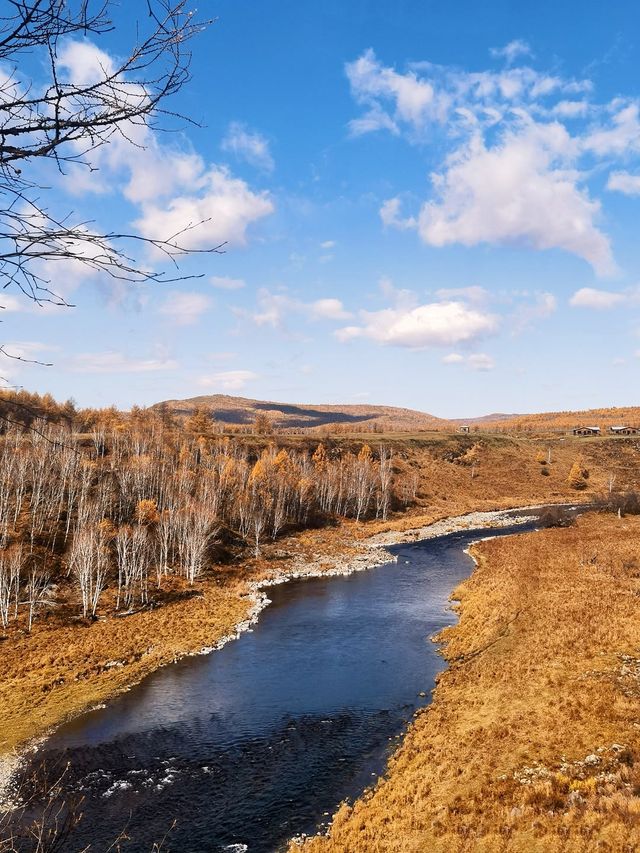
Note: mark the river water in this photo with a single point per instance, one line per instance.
(244, 748)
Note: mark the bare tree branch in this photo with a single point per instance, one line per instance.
(66, 121)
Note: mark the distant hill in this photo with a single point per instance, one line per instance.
(241, 411)
(563, 421)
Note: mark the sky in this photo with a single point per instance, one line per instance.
(424, 204)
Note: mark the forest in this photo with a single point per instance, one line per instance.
(103, 518)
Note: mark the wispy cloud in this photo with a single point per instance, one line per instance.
(185, 308)
(520, 147)
(274, 309)
(223, 282)
(179, 196)
(228, 380)
(248, 145)
(511, 51)
(118, 362)
(589, 297)
(624, 182)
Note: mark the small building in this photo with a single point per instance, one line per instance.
(591, 430)
(624, 430)
(465, 428)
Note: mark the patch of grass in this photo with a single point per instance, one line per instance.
(532, 740)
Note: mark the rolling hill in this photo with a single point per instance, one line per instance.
(241, 411)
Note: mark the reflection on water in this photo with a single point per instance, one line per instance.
(262, 739)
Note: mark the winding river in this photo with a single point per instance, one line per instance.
(242, 749)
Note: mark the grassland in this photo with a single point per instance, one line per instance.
(61, 668)
(532, 741)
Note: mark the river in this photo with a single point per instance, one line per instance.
(244, 748)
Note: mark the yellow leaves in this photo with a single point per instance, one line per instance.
(305, 485)
(319, 457)
(365, 454)
(147, 512)
(578, 475)
(258, 472)
(107, 529)
(282, 460)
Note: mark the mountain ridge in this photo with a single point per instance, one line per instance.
(243, 411)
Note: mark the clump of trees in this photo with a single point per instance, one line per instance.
(132, 503)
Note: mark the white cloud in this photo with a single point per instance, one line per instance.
(248, 145)
(476, 361)
(328, 244)
(391, 218)
(589, 297)
(543, 306)
(176, 191)
(12, 303)
(371, 83)
(274, 308)
(17, 356)
(570, 109)
(433, 324)
(219, 212)
(481, 361)
(472, 294)
(620, 137)
(185, 308)
(624, 182)
(511, 51)
(228, 380)
(428, 95)
(513, 173)
(520, 191)
(328, 309)
(118, 362)
(223, 282)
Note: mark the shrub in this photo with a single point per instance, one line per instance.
(578, 476)
(557, 516)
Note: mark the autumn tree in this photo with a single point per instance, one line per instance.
(578, 476)
(199, 422)
(262, 424)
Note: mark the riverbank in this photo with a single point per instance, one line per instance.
(67, 665)
(59, 671)
(532, 740)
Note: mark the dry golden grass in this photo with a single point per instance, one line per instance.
(61, 669)
(533, 735)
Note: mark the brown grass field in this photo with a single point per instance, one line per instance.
(547, 687)
(532, 741)
(60, 669)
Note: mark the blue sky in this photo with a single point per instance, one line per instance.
(427, 204)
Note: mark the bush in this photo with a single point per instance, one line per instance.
(622, 503)
(578, 476)
(557, 516)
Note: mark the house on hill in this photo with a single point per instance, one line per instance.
(624, 430)
(464, 428)
(590, 430)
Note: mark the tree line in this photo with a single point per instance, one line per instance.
(127, 507)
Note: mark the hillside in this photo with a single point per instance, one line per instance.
(562, 421)
(242, 411)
